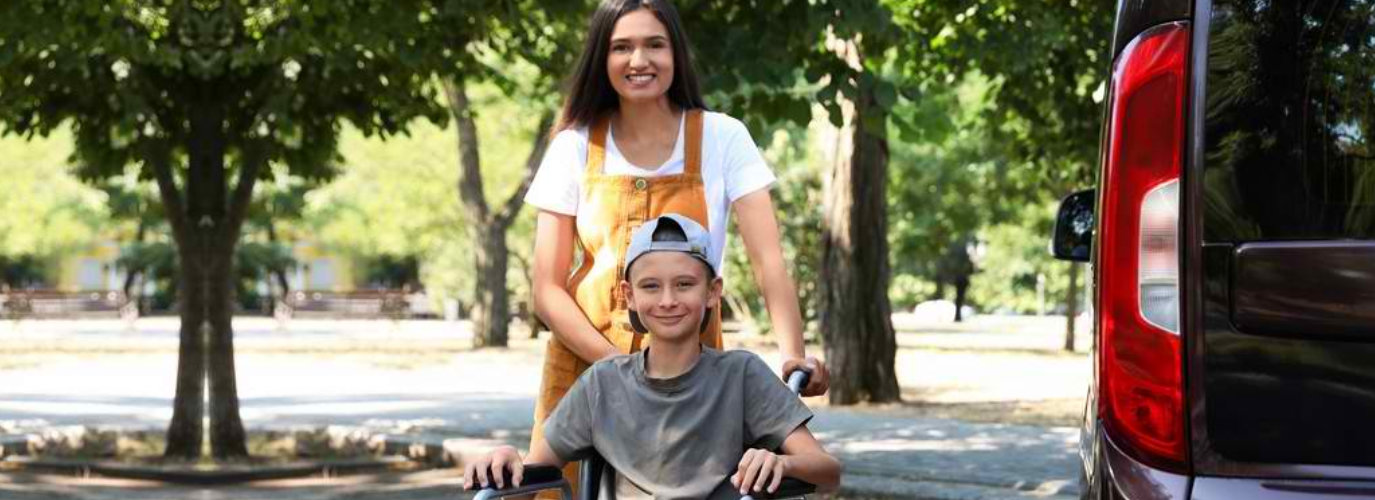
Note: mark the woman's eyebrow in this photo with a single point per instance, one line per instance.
(651, 38)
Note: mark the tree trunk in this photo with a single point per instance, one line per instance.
(185, 432)
(131, 276)
(856, 316)
(227, 439)
(527, 310)
(206, 228)
(278, 273)
(1071, 305)
(491, 313)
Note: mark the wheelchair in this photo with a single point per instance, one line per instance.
(595, 473)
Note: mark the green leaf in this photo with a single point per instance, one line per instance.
(885, 94)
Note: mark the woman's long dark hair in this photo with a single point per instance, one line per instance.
(590, 94)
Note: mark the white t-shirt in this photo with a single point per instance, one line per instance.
(732, 167)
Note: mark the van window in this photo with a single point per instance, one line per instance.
(1289, 152)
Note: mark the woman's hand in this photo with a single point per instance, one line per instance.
(488, 469)
(820, 380)
(760, 468)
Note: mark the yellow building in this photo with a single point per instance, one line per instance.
(318, 269)
(94, 269)
(97, 269)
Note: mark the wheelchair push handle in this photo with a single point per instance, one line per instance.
(789, 489)
(798, 379)
(537, 477)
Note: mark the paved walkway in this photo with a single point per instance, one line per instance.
(419, 379)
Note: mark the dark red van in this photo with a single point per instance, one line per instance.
(1232, 240)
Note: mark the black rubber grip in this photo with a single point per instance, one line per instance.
(788, 488)
(534, 474)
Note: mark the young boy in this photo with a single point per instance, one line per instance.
(677, 419)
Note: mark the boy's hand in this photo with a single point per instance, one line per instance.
(488, 469)
(759, 468)
(820, 380)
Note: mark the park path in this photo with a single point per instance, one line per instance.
(419, 379)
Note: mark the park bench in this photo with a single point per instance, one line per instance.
(389, 304)
(52, 304)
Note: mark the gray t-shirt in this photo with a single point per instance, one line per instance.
(680, 437)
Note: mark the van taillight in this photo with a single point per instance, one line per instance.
(1140, 365)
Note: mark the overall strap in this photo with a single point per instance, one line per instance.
(596, 147)
(692, 151)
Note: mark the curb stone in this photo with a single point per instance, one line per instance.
(192, 475)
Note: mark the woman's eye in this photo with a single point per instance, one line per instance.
(620, 48)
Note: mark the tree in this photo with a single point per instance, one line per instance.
(203, 96)
(45, 212)
(1048, 62)
(771, 76)
(856, 315)
(524, 57)
(489, 226)
(394, 199)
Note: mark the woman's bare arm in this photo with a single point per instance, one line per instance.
(759, 228)
(554, 234)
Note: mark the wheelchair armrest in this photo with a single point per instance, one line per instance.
(537, 477)
(789, 488)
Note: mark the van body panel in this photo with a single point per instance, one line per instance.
(1281, 399)
(1129, 478)
(1224, 488)
(1306, 290)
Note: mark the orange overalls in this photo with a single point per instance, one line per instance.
(611, 208)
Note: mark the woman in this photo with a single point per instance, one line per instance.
(634, 141)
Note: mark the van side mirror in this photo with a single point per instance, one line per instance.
(1073, 238)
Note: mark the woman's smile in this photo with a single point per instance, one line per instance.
(641, 79)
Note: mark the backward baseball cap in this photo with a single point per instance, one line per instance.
(697, 244)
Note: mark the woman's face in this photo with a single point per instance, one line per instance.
(640, 62)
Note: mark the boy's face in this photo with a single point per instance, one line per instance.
(671, 292)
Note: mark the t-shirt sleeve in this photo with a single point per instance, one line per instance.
(772, 411)
(555, 187)
(745, 168)
(568, 430)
